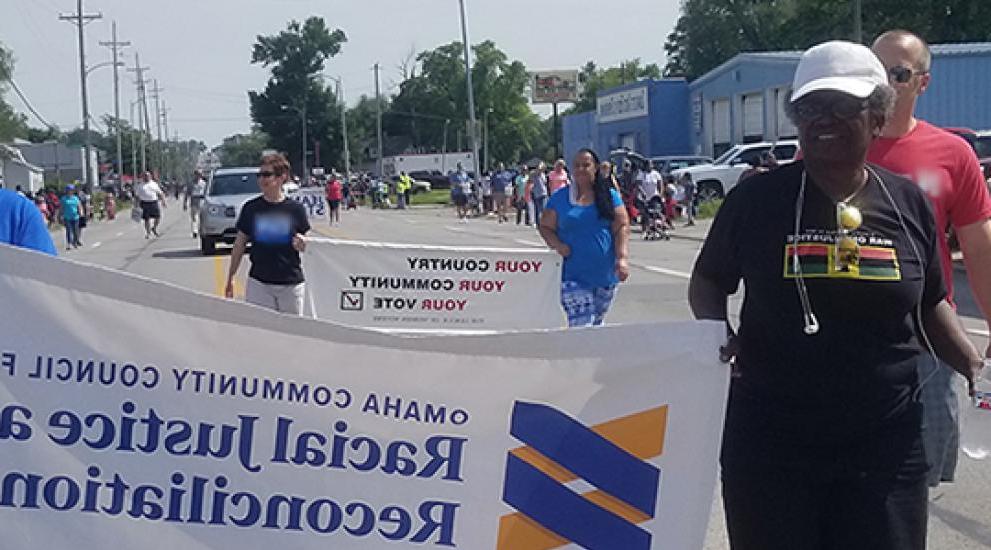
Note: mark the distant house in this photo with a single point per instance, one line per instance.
(59, 161)
(14, 171)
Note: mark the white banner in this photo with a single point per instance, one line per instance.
(433, 288)
(135, 414)
(315, 201)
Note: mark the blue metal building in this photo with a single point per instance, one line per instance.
(742, 101)
(649, 116)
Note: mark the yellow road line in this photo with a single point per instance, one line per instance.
(220, 279)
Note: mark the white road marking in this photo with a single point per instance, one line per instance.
(97, 244)
(455, 229)
(664, 271)
(120, 234)
(978, 332)
(529, 243)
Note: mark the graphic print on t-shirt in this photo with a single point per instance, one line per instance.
(273, 229)
(873, 259)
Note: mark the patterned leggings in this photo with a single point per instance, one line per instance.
(586, 306)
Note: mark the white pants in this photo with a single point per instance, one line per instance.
(281, 298)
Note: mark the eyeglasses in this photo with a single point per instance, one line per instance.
(840, 109)
(902, 75)
(848, 219)
(266, 174)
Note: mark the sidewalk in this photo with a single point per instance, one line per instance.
(696, 232)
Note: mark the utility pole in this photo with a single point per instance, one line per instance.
(114, 45)
(143, 108)
(158, 125)
(858, 21)
(80, 19)
(378, 118)
(134, 146)
(165, 127)
(471, 90)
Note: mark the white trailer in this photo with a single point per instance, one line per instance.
(391, 166)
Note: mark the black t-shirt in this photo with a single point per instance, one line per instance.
(858, 373)
(270, 228)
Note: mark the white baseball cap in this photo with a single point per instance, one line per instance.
(841, 66)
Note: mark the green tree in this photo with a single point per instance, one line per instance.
(243, 149)
(595, 80)
(362, 129)
(297, 56)
(435, 97)
(710, 32)
(12, 123)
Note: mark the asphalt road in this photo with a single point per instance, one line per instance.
(960, 513)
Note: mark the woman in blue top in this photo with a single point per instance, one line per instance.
(72, 211)
(588, 226)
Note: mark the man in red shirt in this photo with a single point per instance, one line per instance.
(948, 171)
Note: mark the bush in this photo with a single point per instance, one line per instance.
(708, 209)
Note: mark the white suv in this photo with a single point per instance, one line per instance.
(226, 193)
(714, 180)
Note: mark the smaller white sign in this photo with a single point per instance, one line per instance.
(313, 199)
(623, 105)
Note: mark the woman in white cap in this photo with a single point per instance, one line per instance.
(843, 313)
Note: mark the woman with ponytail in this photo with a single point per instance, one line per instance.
(587, 225)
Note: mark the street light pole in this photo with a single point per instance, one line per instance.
(471, 89)
(344, 125)
(378, 119)
(443, 159)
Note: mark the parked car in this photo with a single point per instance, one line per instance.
(715, 180)
(226, 193)
(419, 186)
(667, 164)
(435, 178)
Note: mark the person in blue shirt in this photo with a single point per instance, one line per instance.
(458, 180)
(500, 183)
(21, 224)
(72, 212)
(587, 225)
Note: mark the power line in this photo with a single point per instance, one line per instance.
(28, 104)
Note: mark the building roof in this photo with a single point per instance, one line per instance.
(792, 56)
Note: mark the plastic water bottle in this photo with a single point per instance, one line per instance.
(975, 419)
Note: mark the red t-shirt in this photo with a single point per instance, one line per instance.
(946, 168)
(334, 192)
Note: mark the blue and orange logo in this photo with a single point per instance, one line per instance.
(558, 450)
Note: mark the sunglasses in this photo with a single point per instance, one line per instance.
(902, 75)
(842, 109)
(848, 219)
(267, 174)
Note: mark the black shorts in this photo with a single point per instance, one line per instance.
(150, 210)
(334, 205)
(867, 493)
(460, 200)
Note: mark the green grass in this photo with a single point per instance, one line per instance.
(437, 196)
(708, 209)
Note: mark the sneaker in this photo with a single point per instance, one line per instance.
(155, 231)
(147, 235)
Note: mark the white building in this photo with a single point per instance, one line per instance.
(14, 171)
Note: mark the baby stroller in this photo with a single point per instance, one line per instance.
(656, 220)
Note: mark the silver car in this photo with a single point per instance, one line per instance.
(226, 192)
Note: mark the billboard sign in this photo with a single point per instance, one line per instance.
(555, 86)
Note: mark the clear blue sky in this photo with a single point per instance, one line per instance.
(200, 50)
